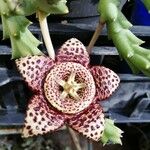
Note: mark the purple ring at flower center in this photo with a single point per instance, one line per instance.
(69, 87)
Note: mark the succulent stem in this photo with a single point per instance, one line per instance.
(96, 34)
(111, 133)
(46, 34)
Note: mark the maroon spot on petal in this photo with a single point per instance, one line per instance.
(97, 126)
(28, 127)
(92, 128)
(86, 126)
(30, 132)
(43, 129)
(74, 123)
(42, 112)
(35, 119)
(90, 116)
(37, 128)
(43, 119)
(102, 122)
(49, 123)
(96, 133)
(36, 113)
(37, 108)
(32, 75)
(30, 114)
(29, 67)
(38, 61)
(65, 49)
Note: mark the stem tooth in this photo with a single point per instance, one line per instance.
(130, 54)
(148, 66)
(15, 34)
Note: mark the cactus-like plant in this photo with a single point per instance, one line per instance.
(73, 96)
(15, 23)
(127, 44)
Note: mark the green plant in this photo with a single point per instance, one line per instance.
(127, 44)
(24, 44)
(147, 4)
(15, 24)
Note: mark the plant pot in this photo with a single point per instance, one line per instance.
(140, 15)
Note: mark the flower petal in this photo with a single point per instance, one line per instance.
(73, 51)
(106, 81)
(41, 118)
(90, 123)
(33, 69)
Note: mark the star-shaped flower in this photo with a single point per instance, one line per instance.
(66, 91)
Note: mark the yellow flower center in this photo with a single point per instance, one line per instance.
(70, 87)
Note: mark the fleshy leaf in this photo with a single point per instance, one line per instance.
(127, 44)
(111, 133)
(90, 122)
(34, 69)
(41, 118)
(106, 81)
(73, 50)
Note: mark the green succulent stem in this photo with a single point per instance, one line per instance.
(96, 34)
(127, 44)
(111, 133)
(46, 35)
(15, 24)
(15, 27)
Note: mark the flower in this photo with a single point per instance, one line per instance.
(66, 91)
